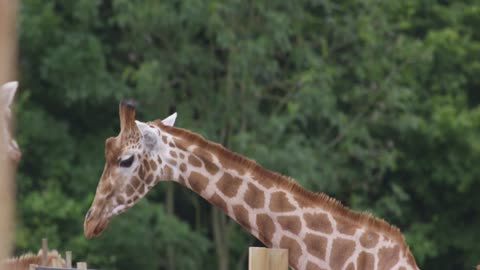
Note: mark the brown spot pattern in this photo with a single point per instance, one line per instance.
(280, 203)
(211, 168)
(265, 183)
(365, 260)
(290, 223)
(388, 257)
(153, 165)
(194, 161)
(346, 227)
(294, 249)
(369, 239)
(182, 156)
(254, 197)
(149, 179)
(342, 249)
(135, 182)
(120, 199)
(181, 180)
(350, 266)
(229, 185)
(164, 139)
(172, 162)
(159, 159)
(146, 166)
(130, 191)
(316, 245)
(312, 266)
(219, 202)
(266, 228)
(197, 181)
(318, 222)
(241, 215)
(171, 144)
(141, 172)
(183, 167)
(173, 154)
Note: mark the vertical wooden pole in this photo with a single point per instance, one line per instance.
(8, 9)
(82, 265)
(267, 259)
(68, 258)
(44, 251)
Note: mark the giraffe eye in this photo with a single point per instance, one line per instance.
(126, 163)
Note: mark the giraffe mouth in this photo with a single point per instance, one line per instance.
(93, 227)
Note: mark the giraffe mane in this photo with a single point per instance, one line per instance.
(307, 197)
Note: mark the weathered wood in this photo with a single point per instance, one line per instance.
(44, 251)
(7, 65)
(82, 265)
(68, 259)
(267, 259)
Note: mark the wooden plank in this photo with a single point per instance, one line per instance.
(82, 265)
(267, 259)
(68, 259)
(8, 39)
(44, 252)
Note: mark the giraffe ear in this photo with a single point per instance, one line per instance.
(127, 115)
(8, 92)
(169, 121)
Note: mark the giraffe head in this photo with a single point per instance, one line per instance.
(130, 171)
(7, 93)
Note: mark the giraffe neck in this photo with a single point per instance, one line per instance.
(318, 232)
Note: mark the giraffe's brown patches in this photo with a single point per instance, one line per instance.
(120, 199)
(183, 167)
(232, 165)
(290, 223)
(346, 227)
(197, 181)
(351, 266)
(135, 182)
(342, 249)
(136, 197)
(105, 187)
(149, 179)
(194, 161)
(164, 139)
(211, 168)
(181, 180)
(141, 172)
(316, 245)
(266, 227)
(312, 266)
(318, 222)
(142, 189)
(265, 184)
(241, 215)
(159, 159)
(146, 165)
(168, 172)
(279, 202)
(294, 249)
(254, 197)
(229, 184)
(388, 257)
(153, 165)
(365, 260)
(130, 190)
(172, 162)
(403, 268)
(219, 202)
(199, 152)
(182, 156)
(369, 239)
(173, 154)
(171, 144)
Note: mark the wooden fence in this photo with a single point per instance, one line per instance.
(267, 259)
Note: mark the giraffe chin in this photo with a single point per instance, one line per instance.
(94, 227)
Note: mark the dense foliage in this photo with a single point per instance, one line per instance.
(373, 102)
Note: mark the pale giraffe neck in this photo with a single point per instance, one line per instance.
(318, 232)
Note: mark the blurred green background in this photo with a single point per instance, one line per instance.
(374, 102)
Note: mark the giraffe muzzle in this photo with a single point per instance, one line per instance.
(94, 224)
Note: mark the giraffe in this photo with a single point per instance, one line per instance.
(7, 94)
(317, 230)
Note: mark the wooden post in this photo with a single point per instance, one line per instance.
(32, 266)
(44, 251)
(8, 41)
(267, 259)
(68, 259)
(82, 265)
